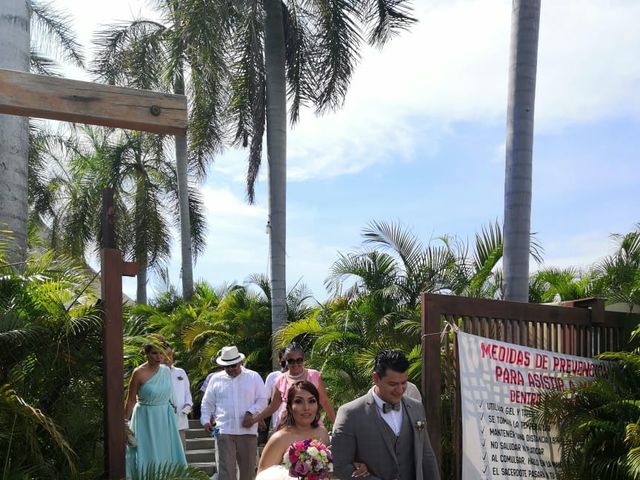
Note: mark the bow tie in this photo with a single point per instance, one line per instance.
(387, 407)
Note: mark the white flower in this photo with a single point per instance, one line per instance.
(313, 452)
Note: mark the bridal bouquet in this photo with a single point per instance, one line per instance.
(308, 459)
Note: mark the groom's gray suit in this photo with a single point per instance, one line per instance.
(360, 434)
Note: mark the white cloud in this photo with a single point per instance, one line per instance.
(313, 258)
(223, 203)
(581, 250)
(452, 66)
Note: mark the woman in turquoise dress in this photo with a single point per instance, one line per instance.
(152, 418)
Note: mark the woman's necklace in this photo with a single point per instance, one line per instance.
(296, 378)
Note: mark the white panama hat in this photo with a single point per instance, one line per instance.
(229, 356)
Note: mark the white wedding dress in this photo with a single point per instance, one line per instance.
(275, 472)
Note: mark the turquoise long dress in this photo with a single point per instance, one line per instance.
(154, 424)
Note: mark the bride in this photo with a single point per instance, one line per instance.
(301, 423)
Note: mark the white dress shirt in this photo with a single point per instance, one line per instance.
(392, 417)
(182, 396)
(270, 385)
(229, 398)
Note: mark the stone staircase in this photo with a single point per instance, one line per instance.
(200, 448)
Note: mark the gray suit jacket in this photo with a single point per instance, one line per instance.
(358, 437)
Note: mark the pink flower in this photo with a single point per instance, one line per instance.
(309, 460)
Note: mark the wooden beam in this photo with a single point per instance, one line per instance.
(93, 103)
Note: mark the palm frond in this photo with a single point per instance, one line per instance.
(131, 54)
(299, 58)
(33, 418)
(387, 18)
(338, 42)
(49, 23)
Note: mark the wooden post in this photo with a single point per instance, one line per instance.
(113, 363)
(83, 102)
(431, 375)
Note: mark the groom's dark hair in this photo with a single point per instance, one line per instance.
(393, 359)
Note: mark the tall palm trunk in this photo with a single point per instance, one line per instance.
(140, 246)
(277, 156)
(141, 279)
(523, 56)
(183, 200)
(14, 133)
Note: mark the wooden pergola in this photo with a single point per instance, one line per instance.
(54, 98)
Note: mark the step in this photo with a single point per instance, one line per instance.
(208, 467)
(197, 433)
(199, 456)
(200, 444)
(195, 423)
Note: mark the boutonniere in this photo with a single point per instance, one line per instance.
(420, 424)
(180, 378)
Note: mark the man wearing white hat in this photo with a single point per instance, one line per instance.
(231, 395)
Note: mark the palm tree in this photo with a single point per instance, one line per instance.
(276, 114)
(618, 275)
(155, 55)
(376, 305)
(19, 19)
(305, 51)
(551, 284)
(525, 23)
(376, 302)
(14, 140)
(136, 167)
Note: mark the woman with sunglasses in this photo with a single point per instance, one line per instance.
(296, 372)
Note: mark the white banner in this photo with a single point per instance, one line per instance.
(497, 380)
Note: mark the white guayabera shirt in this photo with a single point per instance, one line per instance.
(227, 399)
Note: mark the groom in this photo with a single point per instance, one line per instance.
(383, 429)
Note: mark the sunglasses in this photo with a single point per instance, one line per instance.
(231, 367)
(293, 361)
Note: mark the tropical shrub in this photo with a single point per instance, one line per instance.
(598, 422)
(50, 371)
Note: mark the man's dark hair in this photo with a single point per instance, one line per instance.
(390, 359)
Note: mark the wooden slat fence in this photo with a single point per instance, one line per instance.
(580, 327)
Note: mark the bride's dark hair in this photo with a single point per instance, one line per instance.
(295, 388)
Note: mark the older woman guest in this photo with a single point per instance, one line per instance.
(296, 372)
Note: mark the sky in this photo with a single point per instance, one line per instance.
(420, 140)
